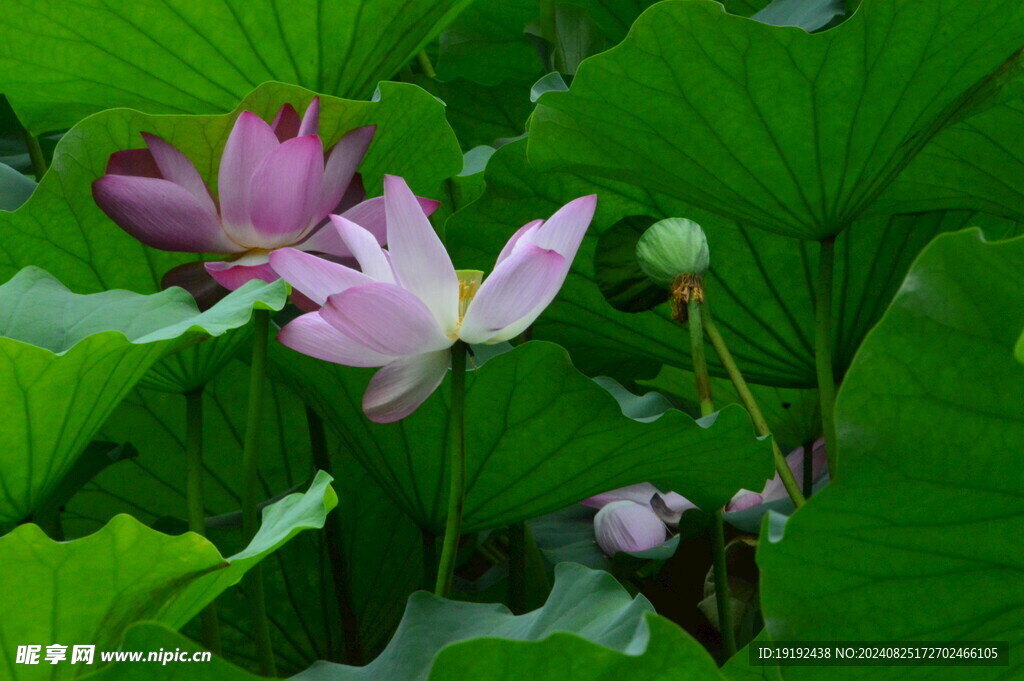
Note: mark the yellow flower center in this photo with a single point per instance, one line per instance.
(469, 284)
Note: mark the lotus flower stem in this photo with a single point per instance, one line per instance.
(750, 404)
(428, 68)
(700, 366)
(35, 152)
(707, 407)
(250, 496)
(527, 576)
(823, 349)
(517, 567)
(457, 461)
(722, 597)
(194, 498)
(333, 532)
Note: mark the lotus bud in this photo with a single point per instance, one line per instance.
(673, 253)
(672, 247)
(628, 526)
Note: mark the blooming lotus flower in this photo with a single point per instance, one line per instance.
(408, 305)
(774, 489)
(635, 518)
(276, 186)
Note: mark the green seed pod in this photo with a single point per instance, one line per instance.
(672, 247)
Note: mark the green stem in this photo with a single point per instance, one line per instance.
(722, 598)
(428, 68)
(517, 567)
(536, 572)
(333, 534)
(751, 405)
(823, 350)
(194, 472)
(707, 407)
(35, 152)
(250, 493)
(700, 365)
(457, 460)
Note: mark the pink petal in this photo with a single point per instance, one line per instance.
(775, 490)
(641, 493)
(161, 214)
(311, 119)
(326, 239)
(421, 263)
(135, 162)
(249, 143)
(627, 526)
(176, 167)
(517, 286)
(367, 214)
(286, 123)
(677, 503)
(561, 233)
(302, 301)
(564, 230)
(511, 244)
(364, 246)
(342, 162)
(285, 190)
(671, 507)
(233, 274)
(400, 387)
(743, 500)
(385, 318)
(354, 194)
(315, 277)
(311, 335)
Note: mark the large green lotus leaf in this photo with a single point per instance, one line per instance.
(773, 127)
(381, 544)
(612, 18)
(488, 44)
(919, 538)
(67, 360)
(810, 15)
(456, 641)
(671, 655)
(745, 8)
(441, 639)
(15, 188)
(60, 62)
(793, 414)
(62, 230)
(482, 114)
(492, 42)
(760, 289)
(539, 436)
(738, 668)
(91, 589)
(977, 163)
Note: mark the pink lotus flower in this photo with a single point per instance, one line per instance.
(635, 518)
(774, 489)
(408, 305)
(276, 186)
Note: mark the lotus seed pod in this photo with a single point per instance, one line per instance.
(672, 247)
